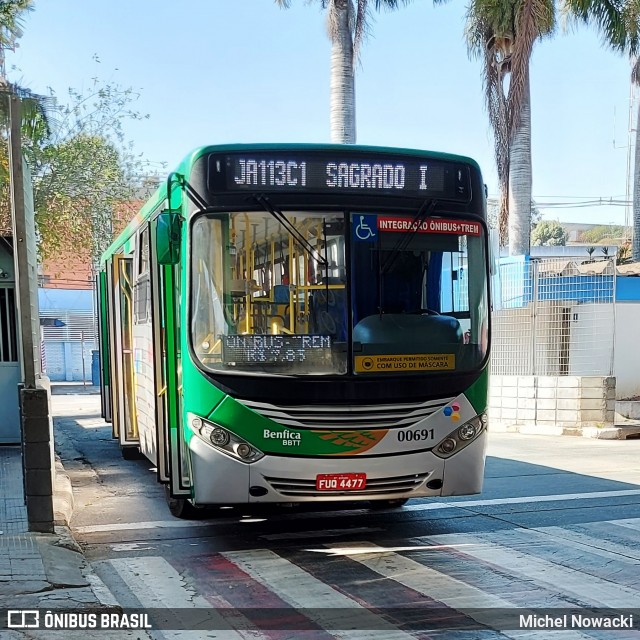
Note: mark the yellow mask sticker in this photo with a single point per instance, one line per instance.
(399, 362)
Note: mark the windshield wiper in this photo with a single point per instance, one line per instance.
(263, 201)
(425, 210)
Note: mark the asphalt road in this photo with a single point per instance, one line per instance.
(557, 526)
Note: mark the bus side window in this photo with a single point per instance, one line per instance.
(142, 287)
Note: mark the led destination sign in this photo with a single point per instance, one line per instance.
(429, 225)
(275, 349)
(324, 173)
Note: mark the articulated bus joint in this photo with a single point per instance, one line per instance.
(461, 437)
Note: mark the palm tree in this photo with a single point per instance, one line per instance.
(635, 244)
(11, 12)
(35, 111)
(347, 22)
(35, 120)
(502, 33)
(619, 24)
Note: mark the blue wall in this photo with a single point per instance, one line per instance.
(627, 289)
(587, 288)
(578, 288)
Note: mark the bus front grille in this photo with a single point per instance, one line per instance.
(373, 416)
(375, 486)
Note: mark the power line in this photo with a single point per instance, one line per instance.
(587, 203)
(595, 202)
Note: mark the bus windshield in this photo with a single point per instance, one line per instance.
(405, 297)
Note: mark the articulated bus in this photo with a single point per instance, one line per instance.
(302, 323)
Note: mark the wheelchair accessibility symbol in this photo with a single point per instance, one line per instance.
(365, 228)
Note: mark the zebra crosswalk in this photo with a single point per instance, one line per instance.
(458, 585)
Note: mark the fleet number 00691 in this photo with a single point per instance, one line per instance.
(413, 435)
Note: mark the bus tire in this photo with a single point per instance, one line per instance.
(180, 507)
(130, 453)
(388, 504)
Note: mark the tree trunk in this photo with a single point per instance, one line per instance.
(503, 213)
(343, 101)
(636, 193)
(520, 181)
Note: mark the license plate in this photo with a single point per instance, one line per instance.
(340, 481)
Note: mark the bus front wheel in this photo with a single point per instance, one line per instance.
(388, 504)
(180, 507)
(131, 453)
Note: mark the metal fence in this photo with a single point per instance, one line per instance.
(68, 348)
(553, 317)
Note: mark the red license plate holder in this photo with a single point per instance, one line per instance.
(341, 481)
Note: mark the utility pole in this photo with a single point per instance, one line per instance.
(37, 427)
(21, 249)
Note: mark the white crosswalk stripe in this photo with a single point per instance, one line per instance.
(504, 549)
(591, 543)
(555, 566)
(630, 523)
(450, 591)
(157, 585)
(301, 590)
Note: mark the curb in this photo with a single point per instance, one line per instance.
(610, 432)
(63, 504)
(62, 496)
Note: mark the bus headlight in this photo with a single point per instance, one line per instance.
(448, 445)
(461, 436)
(243, 450)
(224, 440)
(467, 431)
(219, 437)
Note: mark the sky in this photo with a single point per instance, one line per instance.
(225, 71)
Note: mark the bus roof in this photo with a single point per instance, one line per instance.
(160, 194)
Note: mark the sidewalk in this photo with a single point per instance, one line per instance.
(45, 571)
(73, 388)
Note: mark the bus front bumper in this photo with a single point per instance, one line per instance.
(219, 479)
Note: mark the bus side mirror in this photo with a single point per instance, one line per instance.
(168, 237)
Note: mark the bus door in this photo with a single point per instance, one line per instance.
(103, 344)
(172, 462)
(111, 355)
(125, 427)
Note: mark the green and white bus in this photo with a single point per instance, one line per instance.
(301, 323)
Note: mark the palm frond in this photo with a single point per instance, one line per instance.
(534, 19)
(11, 12)
(489, 38)
(360, 26)
(617, 20)
(38, 112)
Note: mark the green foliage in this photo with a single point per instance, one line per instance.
(86, 172)
(548, 233)
(602, 232)
(624, 254)
(11, 12)
(83, 170)
(618, 22)
(35, 119)
(83, 173)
